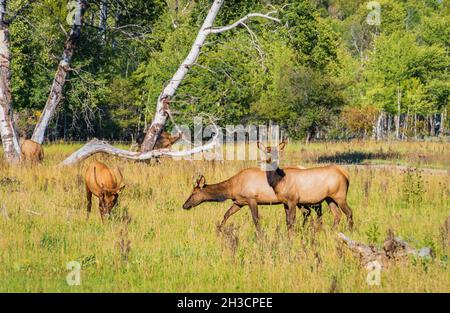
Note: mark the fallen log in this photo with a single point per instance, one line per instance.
(99, 146)
(394, 248)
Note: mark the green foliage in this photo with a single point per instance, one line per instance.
(309, 73)
(413, 187)
(373, 234)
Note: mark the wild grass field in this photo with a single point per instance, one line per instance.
(150, 244)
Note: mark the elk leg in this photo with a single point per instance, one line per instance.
(233, 209)
(89, 202)
(286, 210)
(347, 211)
(336, 212)
(318, 209)
(292, 207)
(102, 213)
(254, 209)
(306, 211)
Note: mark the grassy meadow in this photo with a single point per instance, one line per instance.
(150, 244)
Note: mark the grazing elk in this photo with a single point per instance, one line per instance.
(248, 187)
(102, 182)
(31, 151)
(295, 187)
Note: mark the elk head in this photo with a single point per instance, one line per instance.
(272, 154)
(108, 196)
(197, 195)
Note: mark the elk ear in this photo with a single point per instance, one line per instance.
(201, 182)
(261, 146)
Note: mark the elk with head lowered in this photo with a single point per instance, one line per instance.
(310, 186)
(248, 187)
(31, 151)
(105, 185)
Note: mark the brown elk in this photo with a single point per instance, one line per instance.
(31, 151)
(102, 182)
(295, 187)
(248, 187)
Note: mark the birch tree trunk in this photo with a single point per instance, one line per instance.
(10, 142)
(432, 126)
(103, 19)
(443, 121)
(379, 127)
(397, 118)
(160, 117)
(56, 91)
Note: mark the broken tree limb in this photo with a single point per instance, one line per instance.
(365, 252)
(98, 146)
(394, 248)
(160, 117)
(218, 30)
(56, 91)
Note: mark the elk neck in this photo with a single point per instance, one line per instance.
(274, 177)
(217, 192)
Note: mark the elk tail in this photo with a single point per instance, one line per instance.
(344, 172)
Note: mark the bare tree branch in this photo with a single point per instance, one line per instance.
(217, 30)
(98, 146)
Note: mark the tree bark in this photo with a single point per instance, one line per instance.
(406, 126)
(431, 118)
(415, 125)
(160, 116)
(103, 19)
(397, 118)
(379, 127)
(443, 121)
(10, 142)
(56, 91)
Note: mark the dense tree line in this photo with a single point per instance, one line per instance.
(323, 72)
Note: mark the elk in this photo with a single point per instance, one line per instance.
(294, 187)
(248, 187)
(31, 151)
(102, 182)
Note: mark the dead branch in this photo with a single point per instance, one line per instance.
(394, 248)
(217, 30)
(99, 146)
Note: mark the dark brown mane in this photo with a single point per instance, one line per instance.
(274, 177)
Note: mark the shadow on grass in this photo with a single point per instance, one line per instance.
(357, 157)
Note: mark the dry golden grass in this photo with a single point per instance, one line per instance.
(167, 249)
